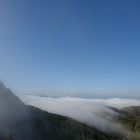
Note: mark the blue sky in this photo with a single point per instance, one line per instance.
(71, 46)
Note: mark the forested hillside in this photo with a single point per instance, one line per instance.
(22, 122)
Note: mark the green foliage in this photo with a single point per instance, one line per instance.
(130, 118)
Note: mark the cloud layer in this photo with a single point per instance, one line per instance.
(94, 112)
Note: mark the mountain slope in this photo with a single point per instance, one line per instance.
(21, 122)
(130, 118)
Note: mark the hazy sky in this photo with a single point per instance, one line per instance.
(89, 46)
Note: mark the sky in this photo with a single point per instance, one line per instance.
(71, 47)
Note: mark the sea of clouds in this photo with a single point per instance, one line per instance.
(93, 112)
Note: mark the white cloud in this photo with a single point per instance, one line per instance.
(94, 112)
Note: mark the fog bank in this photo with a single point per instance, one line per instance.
(94, 112)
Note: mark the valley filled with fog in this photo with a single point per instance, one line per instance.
(98, 113)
